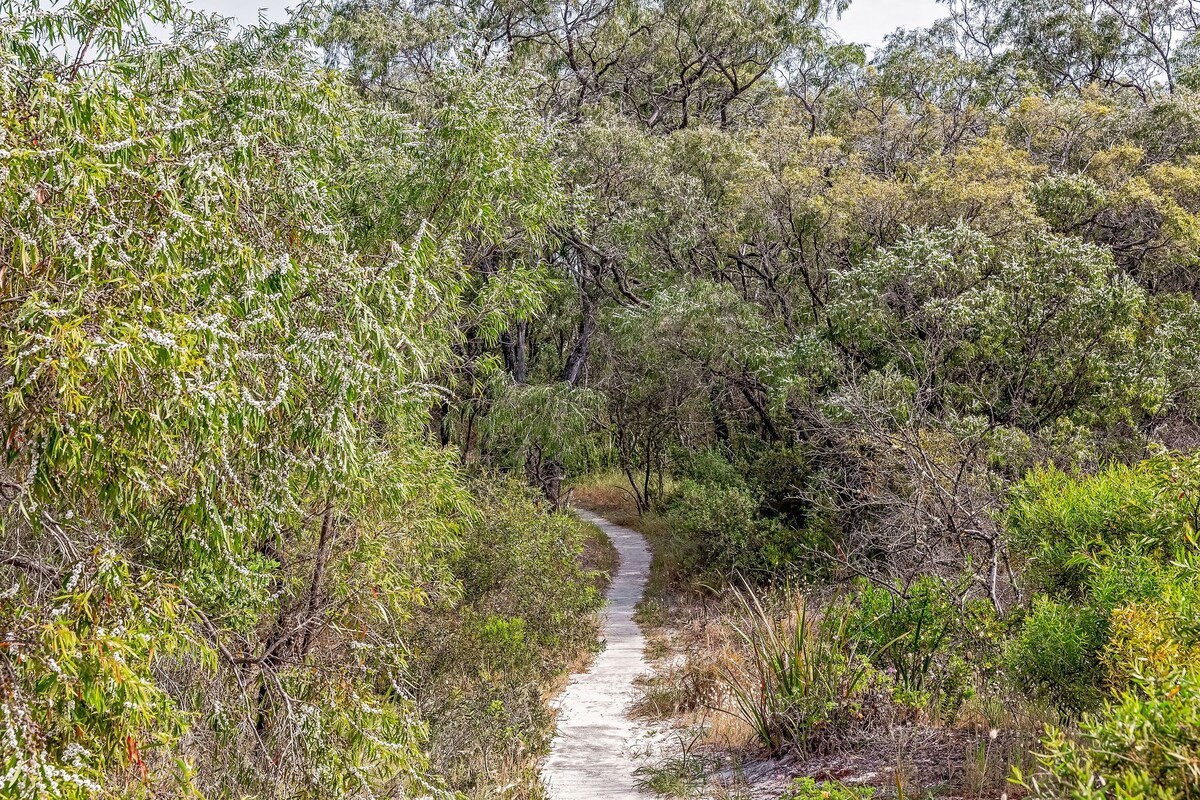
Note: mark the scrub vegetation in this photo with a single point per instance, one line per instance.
(310, 333)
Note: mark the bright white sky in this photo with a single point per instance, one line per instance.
(867, 21)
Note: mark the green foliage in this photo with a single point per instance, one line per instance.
(1066, 200)
(808, 789)
(926, 640)
(1144, 744)
(1056, 655)
(81, 684)
(1021, 331)
(545, 430)
(1120, 534)
(739, 517)
(710, 468)
(719, 531)
(784, 475)
(1115, 553)
(270, 324)
(1153, 636)
(1062, 524)
(216, 367)
(523, 609)
(522, 561)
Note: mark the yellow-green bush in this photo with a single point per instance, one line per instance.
(1111, 559)
(1055, 656)
(1153, 637)
(1144, 745)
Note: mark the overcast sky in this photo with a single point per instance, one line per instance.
(867, 21)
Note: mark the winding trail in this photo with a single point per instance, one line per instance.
(592, 753)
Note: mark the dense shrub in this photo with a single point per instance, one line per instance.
(1060, 524)
(1114, 554)
(232, 289)
(1145, 744)
(484, 654)
(926, 640)
(1080, 536)
(718, 532)
(1055, 657)
(738, 517)
(1154, 636)
(709, 467)
(782, 475)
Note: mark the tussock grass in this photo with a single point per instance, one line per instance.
(800, 675)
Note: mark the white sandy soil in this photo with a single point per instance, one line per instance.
(592, 754)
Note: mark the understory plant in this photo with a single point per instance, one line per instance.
(1113, 564)
(807, 788)
(1143, 744)
(522, 610)
(929, 641)
(801, 677)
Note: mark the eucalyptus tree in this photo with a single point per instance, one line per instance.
(922, 273)
(669, 65)
(217, 509)
(612, 69)
(1139, 45)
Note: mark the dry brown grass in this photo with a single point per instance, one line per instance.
(692, 644)
(608, 495)
(605, 495)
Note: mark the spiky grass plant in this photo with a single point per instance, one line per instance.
(800, 675)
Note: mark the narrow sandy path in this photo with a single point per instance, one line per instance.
(591, 756)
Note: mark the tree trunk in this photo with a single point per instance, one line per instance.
(760, 408)
(317, 588)
(577, 360)
(515, 348)
(439, 422)
(720, 425)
